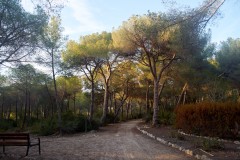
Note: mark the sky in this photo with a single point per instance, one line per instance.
(83, 17)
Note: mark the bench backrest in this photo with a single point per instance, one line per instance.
(17, 136)
(9, 139)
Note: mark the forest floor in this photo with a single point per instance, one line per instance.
(228, 150)
(120, 141)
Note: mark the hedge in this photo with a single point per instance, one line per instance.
(209, 119)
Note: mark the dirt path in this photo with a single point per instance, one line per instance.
(119, 141)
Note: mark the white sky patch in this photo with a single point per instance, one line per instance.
(83, 15)
(28, 6)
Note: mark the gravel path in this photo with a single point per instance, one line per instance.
(119, 141)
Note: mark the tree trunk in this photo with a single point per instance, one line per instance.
(45, 111)
(181, 95)
(25, 109)
(140, 110)
(122, 112)
(128, 106)
(2, 107)
(115, 103)
(92, 100)
(68, 103)
(155, 103)
(147, 99)
(9, 111)
(105, 104)
(29, 106)
(16, 110)
(74, 102)
(111, 103)
(50, 98)
(37, 111)
(2, 113)
(56, 96)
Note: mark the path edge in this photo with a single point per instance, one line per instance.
(170, 144)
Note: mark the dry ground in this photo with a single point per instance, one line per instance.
(119, 141)
(230, 151)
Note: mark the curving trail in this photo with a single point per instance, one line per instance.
(115, 142)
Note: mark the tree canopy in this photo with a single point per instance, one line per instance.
(19, 30)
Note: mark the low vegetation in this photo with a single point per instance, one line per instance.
(209, 119)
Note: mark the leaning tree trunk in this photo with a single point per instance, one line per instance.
(182, 95)
(56, 96)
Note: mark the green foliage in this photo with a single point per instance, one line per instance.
(209, 119)
(73, 123)
(48, 127)
(23, 26)
(228, 59)
(148, 117)
(209, 144)
(167, 117)
(7, 124)
(109, 118)
(44, 127)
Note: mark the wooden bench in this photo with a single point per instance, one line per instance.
(18, 139)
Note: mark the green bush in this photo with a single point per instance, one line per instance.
(7, 124)
(47, 127)
(148, 117)
(78, 123)
(208, 119)
(110, 118)
(71, 123)
(209, 144)
(93, 125)
(167, 117)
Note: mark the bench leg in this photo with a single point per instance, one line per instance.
(39, 146)
(3, 149)
(27, 150)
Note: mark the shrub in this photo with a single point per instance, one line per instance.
(94, 124)
(73, 123)
(46, 127)
(110, 118)
(148, 117)
(6, 124)
(166, 117)
(208, 119)
(209, 144)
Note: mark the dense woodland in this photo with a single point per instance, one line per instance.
(146, 68)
